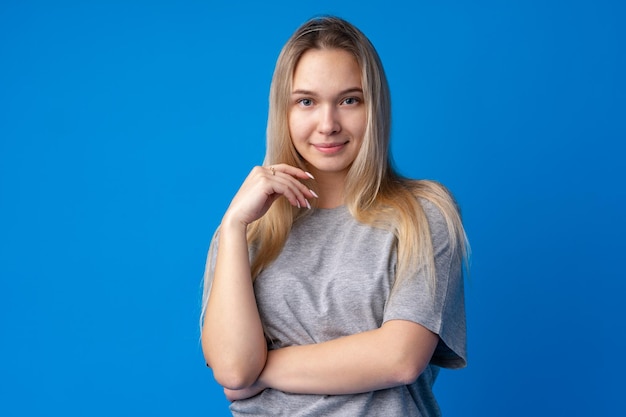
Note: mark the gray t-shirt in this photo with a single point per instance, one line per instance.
(334, 278)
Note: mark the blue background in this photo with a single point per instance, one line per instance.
(127, 126)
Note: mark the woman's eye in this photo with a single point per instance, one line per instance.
(305, 102)
(351, 100)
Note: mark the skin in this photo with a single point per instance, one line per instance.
(327, 122)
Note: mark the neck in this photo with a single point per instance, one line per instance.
(330, 188)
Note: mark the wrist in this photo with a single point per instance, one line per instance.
(231, 224)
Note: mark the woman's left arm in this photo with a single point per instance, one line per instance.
(392, 355)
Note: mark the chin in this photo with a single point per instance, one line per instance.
(331, 168)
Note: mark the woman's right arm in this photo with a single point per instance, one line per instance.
(232, 334)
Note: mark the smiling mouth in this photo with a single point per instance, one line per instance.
(329, 148)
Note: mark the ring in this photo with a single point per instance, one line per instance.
(273, 170)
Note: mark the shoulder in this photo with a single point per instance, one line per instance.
(434, 215)
(432, 192)
(435, 199)
(441, 211)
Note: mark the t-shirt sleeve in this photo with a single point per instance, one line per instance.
(211, 258)
(439, 308)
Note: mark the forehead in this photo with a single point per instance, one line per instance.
(326, 68)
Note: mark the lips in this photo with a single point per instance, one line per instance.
(330, 148)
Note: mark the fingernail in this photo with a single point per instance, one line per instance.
(298, 203)
(307, 204)
(314, 195)
(310, 175)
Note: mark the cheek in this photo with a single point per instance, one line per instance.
(297, 127)
(290, 127)
(359, 126)
(291, 121)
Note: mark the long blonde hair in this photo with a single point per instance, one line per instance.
(374, 192)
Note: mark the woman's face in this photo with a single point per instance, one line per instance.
(327, 115)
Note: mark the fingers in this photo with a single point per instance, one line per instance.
(263, 186)
(285, 181)
(291, 170)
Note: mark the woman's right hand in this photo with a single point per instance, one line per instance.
(263, 186)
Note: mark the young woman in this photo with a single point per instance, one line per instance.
(333, 285)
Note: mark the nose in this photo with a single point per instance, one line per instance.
(329, 120)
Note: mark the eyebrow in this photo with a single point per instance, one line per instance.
(341, 93)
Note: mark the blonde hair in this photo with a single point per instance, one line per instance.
(374, 193)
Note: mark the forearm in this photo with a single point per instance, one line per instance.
(363, 362)
(232, 337)
(335, 367)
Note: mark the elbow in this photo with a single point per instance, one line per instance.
(411, 351)
(407, 376)
(405, 370)
(235, 379)
(232, 368)
(236, 372)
